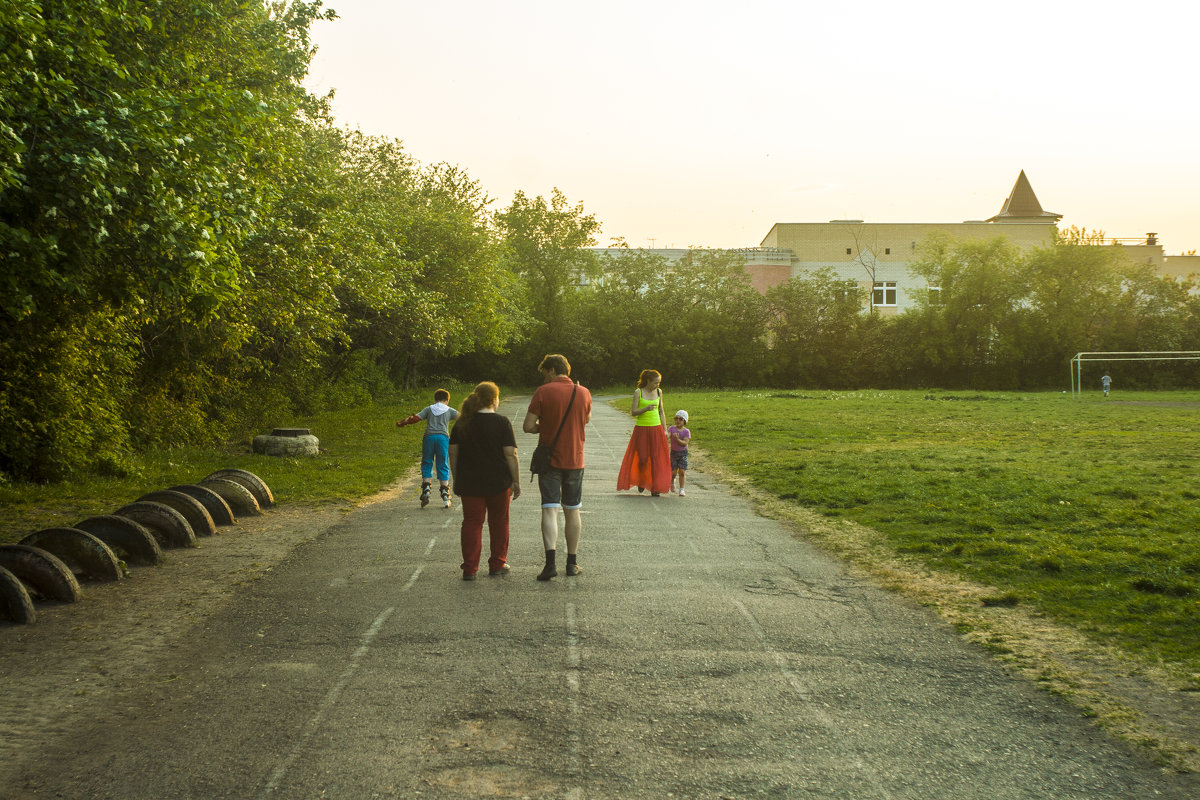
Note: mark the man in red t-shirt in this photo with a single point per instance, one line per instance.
(562, 486)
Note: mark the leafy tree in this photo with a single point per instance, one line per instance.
(971, 322)
(428, 278)
(545, 244)
(621, 309)
(136, 154)
(813, 321)
(712, 322)
(1074, 286)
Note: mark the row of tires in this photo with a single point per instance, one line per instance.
(49, 564)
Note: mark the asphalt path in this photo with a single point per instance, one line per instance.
(705, 652)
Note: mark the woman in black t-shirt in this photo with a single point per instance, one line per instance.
(487, 477)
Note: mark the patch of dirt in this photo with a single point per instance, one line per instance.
(75, 656)
(1148, 704)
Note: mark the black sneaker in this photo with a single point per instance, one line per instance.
(573, 570)
(547, 573)
(502, 572)
(468, 576)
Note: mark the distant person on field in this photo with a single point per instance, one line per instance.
(1106, 383)
(435, 446)
(647, 462)
(681, 437)
(562, 486)
(487, 477)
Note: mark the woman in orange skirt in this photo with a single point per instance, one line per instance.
(647, 462)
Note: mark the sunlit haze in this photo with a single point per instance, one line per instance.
(704, 123)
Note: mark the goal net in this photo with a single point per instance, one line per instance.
(1130, 355)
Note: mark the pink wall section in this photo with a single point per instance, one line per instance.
(764, 276)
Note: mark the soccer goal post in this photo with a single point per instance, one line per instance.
(1131, 355)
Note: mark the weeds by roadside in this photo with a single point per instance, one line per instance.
(362, 451)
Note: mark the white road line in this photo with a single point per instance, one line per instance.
(789, 675)
(595, 433)
(574, 759)
(335, 691)
(792, 678)
(798, 686)
(413, 579)
(331, 697)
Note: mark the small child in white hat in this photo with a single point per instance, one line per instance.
(680, 437)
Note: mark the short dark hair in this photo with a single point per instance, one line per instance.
(556, 362)
(441, 396)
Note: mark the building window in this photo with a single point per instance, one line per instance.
(847, 251)
(935, 295)
(887, 251)
(884, 293)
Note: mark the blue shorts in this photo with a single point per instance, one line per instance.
(679, 460)
(435, 449)
(561, 488)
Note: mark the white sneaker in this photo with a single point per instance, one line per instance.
(681, 493)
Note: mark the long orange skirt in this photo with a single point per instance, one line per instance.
(647, 462)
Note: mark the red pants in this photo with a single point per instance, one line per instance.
(475, 509)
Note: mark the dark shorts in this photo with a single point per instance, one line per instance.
(561, 488)
(679, 459)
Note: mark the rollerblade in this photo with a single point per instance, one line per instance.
(445, 497)
(424, 495)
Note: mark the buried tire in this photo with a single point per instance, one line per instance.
(167, 524)
(129, 539)
(82, 552)
(15, 603)
(239, 497)
(41, 571)
(213, 503)
(256, 485)
(192, 509)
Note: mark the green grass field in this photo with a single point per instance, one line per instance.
(1085, 510)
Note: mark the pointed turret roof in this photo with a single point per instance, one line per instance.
(1022, 205)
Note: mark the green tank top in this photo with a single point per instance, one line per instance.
(650, 417)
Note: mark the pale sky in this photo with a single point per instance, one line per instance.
(703, 123)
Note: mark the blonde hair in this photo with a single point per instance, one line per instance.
(486, 393)
(646, 376)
